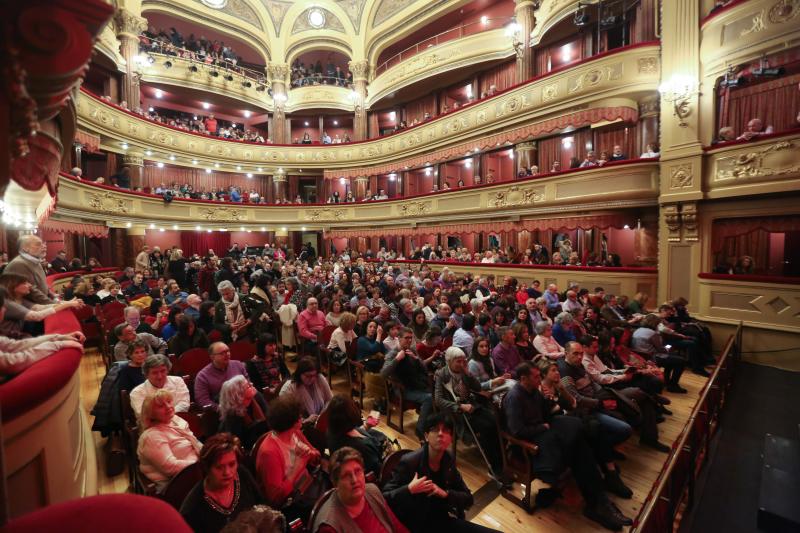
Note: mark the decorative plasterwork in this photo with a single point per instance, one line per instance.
(672, 219)
(332, 22)
(277, 12)
(411, 209)
(681, 176)
(354, 10)
(222, 214)
(775, 159)
(128, 23)
(593, 77)
(516, 195)
(689, 220)
(107, 203)
(387, 9)
(319, 96)
(326, 213)
(550, 12)
(241, 10)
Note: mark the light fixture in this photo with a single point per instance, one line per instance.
(468, 163)
(484, 19)
(581, 17)
(209, 230)
(194, 161)
(566, 142)
(195, 117)
(280, 169)
(511, 154)
(216, 165)
(206, 105)
(316, 18)
(246, 84)
(566, 53)
(174, 226)
(305, 123)
(151, 109)
(152, 226)
(263, 228)
(223, 229)
(148, 152)
(151, 59)
(428, 171)
(679, 90)
(260, 169)
(172, 158)
(128, 225)
(764, 70)
(168, 64)
(198, 228)
(512, 31)
(261, 88)
(241, 228)
(208, 171)
(247, 113)
(730, 79)
(468, 90)
(229, 77)
(161, 230)
(124, 146)
(303, 228)
(233, 124)
(238, 167)
(342, 181)
(160, 164)
(249, 174)
(214, 73)
(335, 122)
(392, 176)
(626, 227)
(193, 68)
(283, 228)
(159, 94)
(392, 116)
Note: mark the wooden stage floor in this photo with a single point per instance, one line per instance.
(639, 470)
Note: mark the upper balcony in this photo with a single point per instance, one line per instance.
(747, 29)
(320, 97)
(604, 87)
(467, 44)
(629, 184)
(745, 168)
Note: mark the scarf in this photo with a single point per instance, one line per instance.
(460, 388)
(233, 314)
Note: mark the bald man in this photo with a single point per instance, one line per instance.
(28, 264)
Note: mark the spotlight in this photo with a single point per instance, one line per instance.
(581, 18)
(206, 105)
(168, 64)
(151, 59)
(731, 79)
(764, 70)
(214, 73)
(159, 93)
(246, 84)
(248, 114)
(610, 21)
(193, 68)
(229, 77)
(261, 88)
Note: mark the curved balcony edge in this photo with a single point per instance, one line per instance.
(621, 185)
(621, 75)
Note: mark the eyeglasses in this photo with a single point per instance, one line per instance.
(223, 352)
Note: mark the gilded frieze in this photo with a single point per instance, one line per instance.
(325, 214)
(681, 176)
(222, 214)
(411, 209)
(776, 159)
(516, 195)
(107, 203)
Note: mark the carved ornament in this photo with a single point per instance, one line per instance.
(421, 62)
(325, 213)
(689, 219)
(549, 92)
(672, 219)
(107, 203)
(360, 69)
(129, 24)
(648, 65)
(756, 26)
(411, 209)
(222, 214)
(784, 11)
(751, 164)
(278, 71)
(516, 195)
(681, 177)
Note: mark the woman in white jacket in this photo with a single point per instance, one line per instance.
(166, 445)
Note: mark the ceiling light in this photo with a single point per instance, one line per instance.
(172, 158)
(342, 181)
(216, 165)
(194, 161)
(206, 105)
(223, 229)
(208, 171)
(283, 228)
(209, 230)
(124, 146)
(128, 225)
(263, 228)
(305, 123)
(238, 167)
(303, 228)
(174, 226)
(148, 152)
(150, 109)
(161, 230)
(316, 18)
(241, 228)
(198, 228)
(484, 19)
(249, 174)
(626, 227)
(335, 122)
(247, 114)
(260, 169)
(152, 226)
(160, 164)
(159, 94)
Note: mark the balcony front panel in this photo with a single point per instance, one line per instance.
(485, 46)
(770, 165)
(615, 80)
(179, 74)
(759, 304)
(618, 186)
(320, 96)
(747, 30)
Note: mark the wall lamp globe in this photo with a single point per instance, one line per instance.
(679, 90)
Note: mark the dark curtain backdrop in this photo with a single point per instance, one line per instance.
(502, 77)
(198, 242)
(152, 177)
(625, 136)
(417, 108)
(755, 244)
(373, 130)
(642, 25)
(776, 102)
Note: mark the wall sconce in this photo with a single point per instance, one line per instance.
(678, 91)
(512, 31)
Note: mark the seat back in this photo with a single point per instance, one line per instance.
(113, 309)
(317, 506)
(180, 486)
(242, 350)
(83, 313)
(325, 335)
(321, 424)
(195, 424)
(191, 362)
(389, 464)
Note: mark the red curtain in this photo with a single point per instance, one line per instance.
(542, 61)
(547, 151)
(417, 108)
(502, 77)
(198, 242)
(642, 25)
(775, 102)
(737, 227)
(755, 244)
(152, 177)
(625, 136)
(373, 129)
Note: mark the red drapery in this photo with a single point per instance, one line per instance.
(90, 230)
(89, 141)
(198, 178)
(416, 109)
(578, 119)
(775, 102)
(542, 61)
(373, 128)
(617, 220)
(502, 77)
(643, 22)
(198, 242)
(625, 136)
(737, 227)
(755, 244)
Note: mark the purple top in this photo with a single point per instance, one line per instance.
(506, 358)
(209, 381)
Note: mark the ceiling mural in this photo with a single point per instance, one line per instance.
(317, 18)
(277, 11)
(239, 9)
(354, 10)
(387, 9)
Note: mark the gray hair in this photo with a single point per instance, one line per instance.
(541, 300)
(475, 303)
(231, 397)
(130, 308)
(541, 326)
(225, 284)
(155, 361)
(564, 317)
(25, 241)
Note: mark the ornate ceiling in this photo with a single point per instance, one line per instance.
(281, 29)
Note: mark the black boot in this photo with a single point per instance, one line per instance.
(614, 485)
(603, 514)
(546, 497)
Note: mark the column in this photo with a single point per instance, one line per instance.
(129, 26)
(648, 124)
(523, 12)
(134, 161)
(525, 155)
(134, 242)
(279, 183)
(277, 74)
(362, 184)
(360, 70)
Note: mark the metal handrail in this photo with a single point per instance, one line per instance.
(435, 40)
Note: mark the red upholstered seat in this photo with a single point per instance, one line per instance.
(121, 513)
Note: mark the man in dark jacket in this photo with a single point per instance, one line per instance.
(426, 486)
(412, 372)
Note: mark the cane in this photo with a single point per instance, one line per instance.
(477, 442)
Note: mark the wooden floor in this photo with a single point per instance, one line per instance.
(639, 470)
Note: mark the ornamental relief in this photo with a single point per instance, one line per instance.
(774, 160)
(681, 177)
(411, 209)
(648, 65)
(516, 195)
(784, 11)
(593, 77)
(325, 213)
(421, 62)
(222, 214)
(107, 203)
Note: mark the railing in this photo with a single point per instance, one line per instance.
(458, 32)
(309, 81)
(676, 483)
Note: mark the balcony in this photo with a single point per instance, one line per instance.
(465, 45)
(745, 30)
(768, 165)
(237, 83)
(320, 97)
(604, 87)
(616, 186)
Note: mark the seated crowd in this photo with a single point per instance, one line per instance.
(573, 372)
(173, 42)
(755, 129)
(332, 74)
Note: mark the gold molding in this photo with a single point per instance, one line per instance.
(320, 96)
(106, 202)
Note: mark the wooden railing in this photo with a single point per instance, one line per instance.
(676, 482)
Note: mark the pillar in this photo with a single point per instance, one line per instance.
(525, 155)
(360, 70)
(648, 124)
(362, 184)
(129, 26)
(523, 12)
(279, 186)
(277, 74)
(134, 242)
(134, 161)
